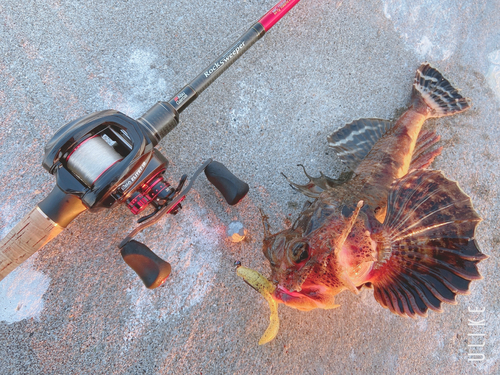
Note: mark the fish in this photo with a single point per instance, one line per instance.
(390, 224)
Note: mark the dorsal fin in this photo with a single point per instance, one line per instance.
(317, 185)
(424, 154)
(355, 140)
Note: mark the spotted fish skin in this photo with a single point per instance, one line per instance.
(393, 224)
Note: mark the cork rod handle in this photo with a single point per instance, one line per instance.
(29, 235)
(41, 225)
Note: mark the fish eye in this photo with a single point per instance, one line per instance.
(300, 252)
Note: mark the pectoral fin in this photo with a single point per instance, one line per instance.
(426, 249)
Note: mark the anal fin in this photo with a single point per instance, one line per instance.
(426, 150)
(427, 253)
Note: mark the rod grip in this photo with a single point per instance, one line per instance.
(40, 226)
(230, 186)
(29, 235)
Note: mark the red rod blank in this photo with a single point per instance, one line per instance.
(276, 13)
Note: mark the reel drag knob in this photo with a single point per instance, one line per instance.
(152, 270)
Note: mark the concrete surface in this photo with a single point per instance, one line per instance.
(76, 307)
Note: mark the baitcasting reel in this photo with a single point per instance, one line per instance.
(107, 158)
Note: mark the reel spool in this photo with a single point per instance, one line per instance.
(91, 158)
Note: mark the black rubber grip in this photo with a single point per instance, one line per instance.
(230, 186)
(152, 270)
(61, 208)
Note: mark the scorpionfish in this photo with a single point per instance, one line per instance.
(390, 224)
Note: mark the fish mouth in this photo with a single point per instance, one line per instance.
(310, 297)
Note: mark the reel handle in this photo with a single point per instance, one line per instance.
(152, 270)
(231, 187)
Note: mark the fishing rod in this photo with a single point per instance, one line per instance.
(107, 158)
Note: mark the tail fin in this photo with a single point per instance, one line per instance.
(431, 88)
(428, 253)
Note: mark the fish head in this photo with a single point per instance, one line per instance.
(298, 267)
(306, 265)
(288, 254)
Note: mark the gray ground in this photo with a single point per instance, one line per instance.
(75, 307)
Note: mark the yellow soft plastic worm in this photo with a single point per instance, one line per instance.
(266, 288)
